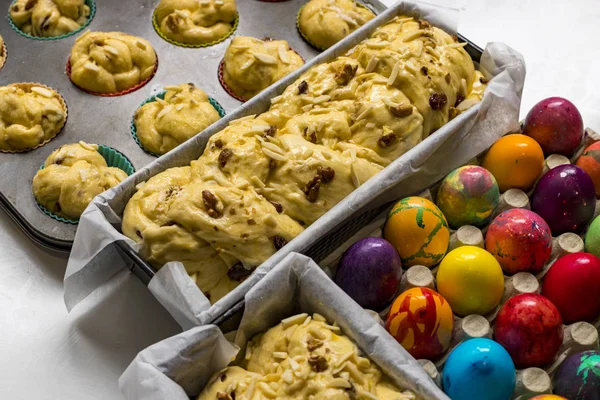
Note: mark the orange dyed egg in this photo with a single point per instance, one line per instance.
(516, 161)
(418, 230)
(421, 320)
(589, 161)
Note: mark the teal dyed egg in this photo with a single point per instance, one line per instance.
(468, 196)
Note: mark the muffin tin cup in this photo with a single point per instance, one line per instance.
(124, 92)
(194, 46)
(62, 102)
(114, 158)
(90, 3)
(228, 89)
(161, 95)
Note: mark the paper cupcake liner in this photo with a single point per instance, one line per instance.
(90, 3)
(124, 92)
(62, 102)
(114, 158)
(228, 89)
(5, 56)
(161, 95)
(194, 46)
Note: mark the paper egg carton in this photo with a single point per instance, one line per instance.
(579, 336)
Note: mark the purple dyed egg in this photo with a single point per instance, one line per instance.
(578, 377)
(370, 272)
(565, 198)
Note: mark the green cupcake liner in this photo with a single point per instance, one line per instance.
(161, 96)
(194, 46)
(90, 3)
(114, 158)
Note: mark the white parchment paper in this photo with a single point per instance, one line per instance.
(94, 260)
(181, 366)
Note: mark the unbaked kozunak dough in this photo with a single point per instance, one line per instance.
(161, 125)
(49, 18)
(111, 62)
(251, 65)
(2, 52)
(326, 22)
(72, 176)
(303, 357)
(30, 115)
(195, 22)
(265, 177)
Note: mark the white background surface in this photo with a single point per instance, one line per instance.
(46, 353)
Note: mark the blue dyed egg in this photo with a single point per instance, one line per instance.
(479, 369)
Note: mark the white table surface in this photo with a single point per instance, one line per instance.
(46, 353)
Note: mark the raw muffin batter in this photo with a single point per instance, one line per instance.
(111, 62)
(326, 22)
(303, 357)
(49, 18)
(162, 125)
(251, 65)
(329, 132)
(195, 22)
(72, 176)
(30, 115)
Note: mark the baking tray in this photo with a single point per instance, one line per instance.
(144, 271)
(106, 120)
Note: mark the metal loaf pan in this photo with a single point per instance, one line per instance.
(106, 120)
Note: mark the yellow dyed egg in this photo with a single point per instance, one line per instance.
(421, 320)
(418, 230)
(471, 280)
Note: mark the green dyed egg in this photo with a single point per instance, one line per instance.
(592, 238)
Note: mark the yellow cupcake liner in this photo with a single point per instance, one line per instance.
(29, 85)
(194, 46)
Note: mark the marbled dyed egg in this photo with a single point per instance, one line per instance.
(421, 320)
(548, 397)
(418, 230)
(578, 377)
(468, 196)
(479, 369)
(520, 240)
(589, 161)
(565, 198)
(530, 328)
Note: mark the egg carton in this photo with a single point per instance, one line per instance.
(579, 336)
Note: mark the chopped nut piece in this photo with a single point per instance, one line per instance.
(303, 87)
(326, 174)
(318, 363)
(279, 242)
(278, 207)
(388, 138)
(210, 203)
(346, 74)
(239, 273)
(401, 110)
(312, 344)
(437, 101)
(311, 190)
(224, 156)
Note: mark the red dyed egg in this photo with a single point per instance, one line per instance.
(530, 328)
(589, 161)
(556, 124)
(520, 240)
(573, 285)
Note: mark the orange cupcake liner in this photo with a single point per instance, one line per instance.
(28, 85)
(222, 65)
(124, 92)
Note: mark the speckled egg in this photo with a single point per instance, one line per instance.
(592, 238)
(471, 280)
(516, 161)
(520, 240)
(556, 124)
(548, 397)
(589, 161)
(421, 320)
(418, 230)
(530, 328)
(479, 369)
(565, 198)
(468, 196)
(578, 377)
(572, 284)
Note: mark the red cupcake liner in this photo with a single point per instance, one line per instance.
(222, 63)
(131, 89)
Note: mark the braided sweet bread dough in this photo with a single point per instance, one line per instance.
(49, 18)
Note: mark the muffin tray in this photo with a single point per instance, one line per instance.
(106, 120)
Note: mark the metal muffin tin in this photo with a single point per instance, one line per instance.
(106, 120)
